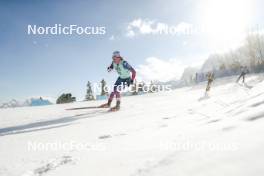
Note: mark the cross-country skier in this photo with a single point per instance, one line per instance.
(127, 76)
(210, 78)
(244, 71)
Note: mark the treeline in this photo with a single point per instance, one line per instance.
(249, 55)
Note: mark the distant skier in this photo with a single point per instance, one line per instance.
(210, 78)
(244, 71)
(125, 78)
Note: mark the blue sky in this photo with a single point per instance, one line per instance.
(47, 65)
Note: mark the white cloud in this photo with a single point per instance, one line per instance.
(139, 26)
(145, 26)
(161, 70)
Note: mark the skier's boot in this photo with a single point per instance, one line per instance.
(117, 107)
(106, 105)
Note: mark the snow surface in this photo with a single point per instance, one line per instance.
(179, 132)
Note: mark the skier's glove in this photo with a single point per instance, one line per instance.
(109, 69)
(131, 81)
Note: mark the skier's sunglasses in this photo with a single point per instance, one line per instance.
(114, 58)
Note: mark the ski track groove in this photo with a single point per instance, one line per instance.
(52, 165)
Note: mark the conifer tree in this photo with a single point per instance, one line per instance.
(103, 88)
(89, 93)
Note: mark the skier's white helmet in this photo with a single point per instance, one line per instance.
(116, 54)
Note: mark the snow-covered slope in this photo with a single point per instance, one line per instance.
(167, 133)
